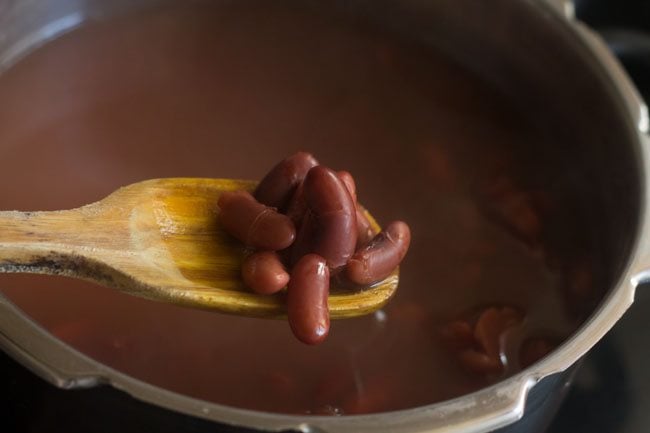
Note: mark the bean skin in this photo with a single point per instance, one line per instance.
(478, 362)
(458, 335)
(377, 260)
(307, 299)
(297, 207)
(349, 182)
(365, 233)
(330, 227)
(263, 272)
(491, 325)
(279, 185)
(253, 223)
(364, 229)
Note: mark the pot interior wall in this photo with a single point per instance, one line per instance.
(590, 160)
(571, 139)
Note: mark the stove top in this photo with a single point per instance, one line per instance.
(611, 393)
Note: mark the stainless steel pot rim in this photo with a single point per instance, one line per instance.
(484, 410)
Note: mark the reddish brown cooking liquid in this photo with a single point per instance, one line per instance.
(226, 92)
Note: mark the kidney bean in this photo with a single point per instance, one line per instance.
(279, 185)
(377, 260)
(365, 232)
(443, 174)
(479, 363)
(253, 223)
(263, 272)
(478, 346)
(514, 208)
(457, 334)
(297, 207)
(518, 213)
(350, 184)
(498, 187)
(307, 299)
(491, 325)
(314, 211)
(580, 282)
(329, 228)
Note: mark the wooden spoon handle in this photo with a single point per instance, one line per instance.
(28, 241)
(34, 241)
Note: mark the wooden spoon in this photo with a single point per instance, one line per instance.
(158, 239)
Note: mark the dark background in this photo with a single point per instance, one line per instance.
(611, 393)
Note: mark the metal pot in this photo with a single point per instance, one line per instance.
(533, 49)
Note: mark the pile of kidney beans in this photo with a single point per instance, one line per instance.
(304, 226)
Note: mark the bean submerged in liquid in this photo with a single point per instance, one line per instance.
(253, 223)
(534, 349)
(513, 208)
(478, 362)
(478, 347)
(491, 324)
